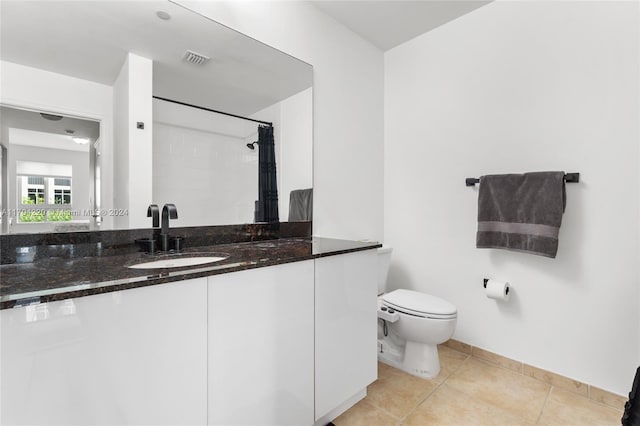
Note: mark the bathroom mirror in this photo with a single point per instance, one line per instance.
(75, 60)
(49, 162)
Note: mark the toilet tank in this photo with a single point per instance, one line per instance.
(384, 260)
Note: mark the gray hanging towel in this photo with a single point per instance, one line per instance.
(521, 212)
(300, 205)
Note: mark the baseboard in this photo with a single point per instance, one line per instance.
(589, 391)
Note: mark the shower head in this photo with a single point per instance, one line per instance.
(251, 145)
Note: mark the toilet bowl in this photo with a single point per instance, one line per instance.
(411, 325)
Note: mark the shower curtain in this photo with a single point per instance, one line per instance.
(267, 208)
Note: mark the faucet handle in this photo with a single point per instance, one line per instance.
(178, 244)
(147, 244)
(154, 212)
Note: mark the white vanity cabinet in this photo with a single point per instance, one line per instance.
(136, 356)
(261, 346)
(277, 345)
(345, 329)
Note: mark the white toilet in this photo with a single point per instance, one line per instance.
(410, 325)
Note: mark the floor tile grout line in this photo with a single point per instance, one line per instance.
(457, 369)
(383, 410)
(400, 419)
(551, 386)
(562, 388)
(380, 408)
(545, 404)
(427, 396)
(540, 380)
(484, 401)
(433, 391)
(523, 364)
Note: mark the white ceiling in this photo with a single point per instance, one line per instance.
(45, 140)
(30, 128)
(89, 39)
(387, 24)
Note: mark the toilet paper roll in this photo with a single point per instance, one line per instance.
(498, 290)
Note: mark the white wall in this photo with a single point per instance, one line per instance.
(191, 146)
(201, 164)
(296, 147)
(515, 87)
(132, 103)
(120, 146)
(347, 107)
(40, 90)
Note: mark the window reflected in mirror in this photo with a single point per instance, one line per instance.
(49, 166)
(45, 198)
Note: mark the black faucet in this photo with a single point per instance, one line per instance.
(149, 244)
(169, 211)
(154, 212)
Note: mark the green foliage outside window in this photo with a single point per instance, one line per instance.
(34, 215)
(59, 216)
(27, 200)
(40, 216)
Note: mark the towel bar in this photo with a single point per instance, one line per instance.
(569, 178)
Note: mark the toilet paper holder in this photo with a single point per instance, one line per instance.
(486, 280)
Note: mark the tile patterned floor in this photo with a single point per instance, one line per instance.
(471, 391)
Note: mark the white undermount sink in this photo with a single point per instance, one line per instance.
(178, 262)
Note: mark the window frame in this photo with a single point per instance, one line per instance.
(49, 195)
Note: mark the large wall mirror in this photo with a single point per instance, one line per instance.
(108, 106)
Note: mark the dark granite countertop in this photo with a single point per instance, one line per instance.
(57, 278)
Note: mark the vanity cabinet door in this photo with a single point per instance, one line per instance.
(261, 346)
(130, 357)
(345, 328)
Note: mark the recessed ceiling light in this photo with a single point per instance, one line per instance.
(80, 141)
(163, 15)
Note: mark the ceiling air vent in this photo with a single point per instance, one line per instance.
(195, 58)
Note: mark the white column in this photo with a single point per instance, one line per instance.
(132, 145)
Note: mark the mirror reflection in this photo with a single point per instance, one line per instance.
(49, 163)
(111, 73)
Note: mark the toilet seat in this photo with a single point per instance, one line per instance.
(419, 304)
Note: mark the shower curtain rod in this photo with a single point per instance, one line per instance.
(213, 110)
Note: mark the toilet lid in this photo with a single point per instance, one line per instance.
(415, 302)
